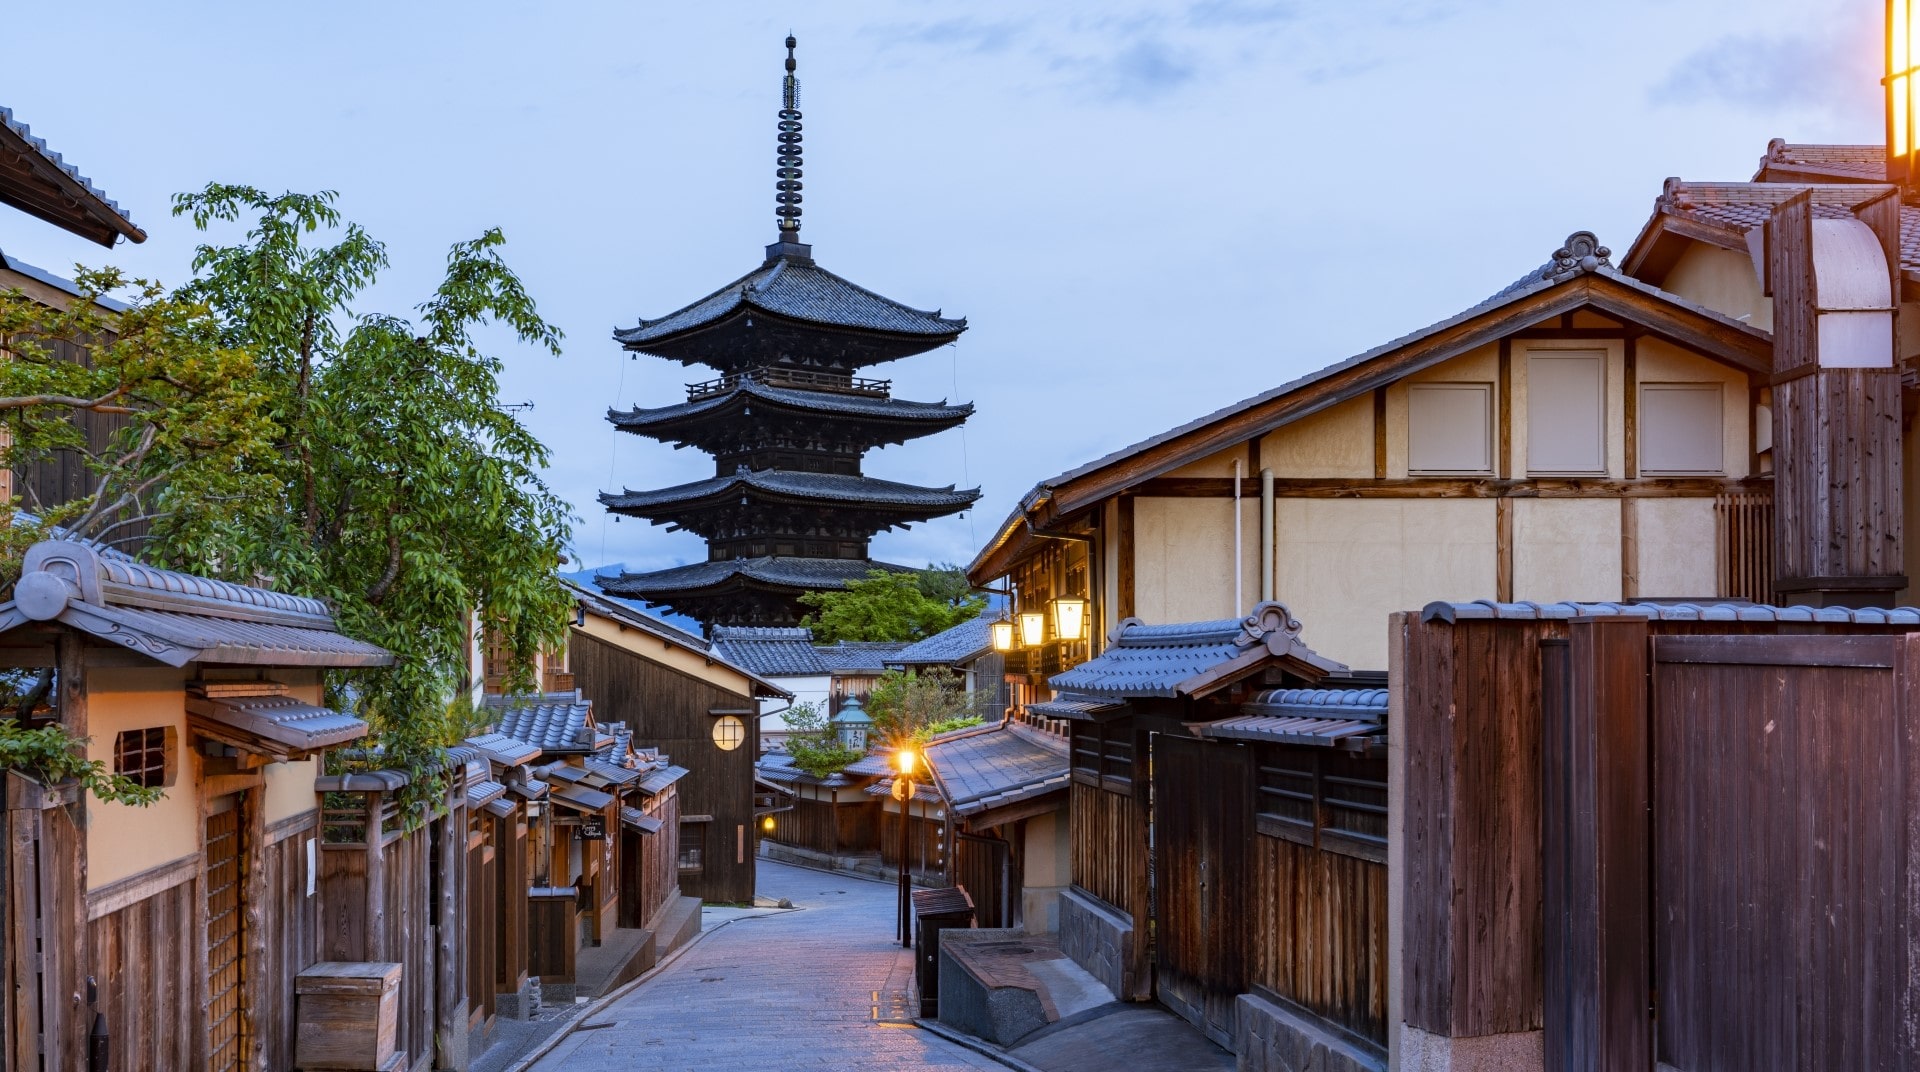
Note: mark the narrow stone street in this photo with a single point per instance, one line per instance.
(818, 986)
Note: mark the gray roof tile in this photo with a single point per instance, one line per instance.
(553, 726)
(804, 292)
(1000, 765)
(106, 206)
(809, 402)
(1669, 612)
(1189, 658)
(963, 643)
(834, 489)
(658, 781)
(780, 571)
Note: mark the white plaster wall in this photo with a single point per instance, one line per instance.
(1336, 442)
(1615, 419)
(1183, 558)
(1566, 549)
(1721, 280)
(1346, 564)
(1677, 548)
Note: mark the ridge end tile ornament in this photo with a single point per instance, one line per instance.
(788, 422)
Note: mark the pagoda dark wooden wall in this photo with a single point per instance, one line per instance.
(669, 710)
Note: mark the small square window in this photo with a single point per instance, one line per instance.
(1450, 428)
(143, 756)
(1682, 429)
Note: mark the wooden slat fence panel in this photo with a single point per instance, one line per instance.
(1108, 850)
(293, 930)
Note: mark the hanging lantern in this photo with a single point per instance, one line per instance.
(1033, 629)
(1002, 634)
(1069, 618)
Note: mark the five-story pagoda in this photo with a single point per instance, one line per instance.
(788, 422)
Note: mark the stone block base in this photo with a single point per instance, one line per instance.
(1521, 1051)
(1272, 1038)
(522, 1004)
(1099, 938)
(1040, 909)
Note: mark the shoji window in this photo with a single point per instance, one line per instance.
(1682, 429)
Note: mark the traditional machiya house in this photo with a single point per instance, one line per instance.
(823, 676)
(1002, 791)
(677, 694)
(832, 819)
(788, 421)
(194, 916)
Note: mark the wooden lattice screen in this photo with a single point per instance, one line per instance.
(226, 944)
(1743, 529)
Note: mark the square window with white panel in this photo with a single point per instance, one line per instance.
(1682, 429)
(1567, 413)
(1450, 429)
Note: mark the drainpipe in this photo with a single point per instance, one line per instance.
(1239, 604)
(1266, 535)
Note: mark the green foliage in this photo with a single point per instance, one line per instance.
(812, 742)
(51, 755)
(405, 493)
(189, 437)
(912, 705)
(890, 606)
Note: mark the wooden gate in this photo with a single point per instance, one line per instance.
(227, 1013)
(1203, 808)
(1783, 782)
(980, 866)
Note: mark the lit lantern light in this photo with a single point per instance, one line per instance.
(1903, 89)
(1070, 618)
(904, 760)
(766, 824)
(1033, 629)
(1002, 634)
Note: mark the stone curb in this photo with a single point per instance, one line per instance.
(984, 1049)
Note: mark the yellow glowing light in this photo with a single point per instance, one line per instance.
(1033, 629)
(904, 759)
(767, 824)
(1002, 633)
(1903, 91)
(1070, 618)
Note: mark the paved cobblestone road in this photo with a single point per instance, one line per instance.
(774, 991)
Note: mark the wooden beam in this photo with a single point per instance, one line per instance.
(1126, 555)
(1504, 425)
(1204, 487)
(1503, 550)
(1629, 549)
(1630, 406)
(1380, 433)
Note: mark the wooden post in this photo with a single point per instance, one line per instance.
(68, 905)
(253, 899)
(450, 967)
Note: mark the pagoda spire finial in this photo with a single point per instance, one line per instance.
(788, 185)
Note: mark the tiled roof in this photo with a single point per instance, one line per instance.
(640, 820)
(580, 797)
(608, 773)
(861, 656)
(1191, 659)
(551, 725)
(276, 722)
(82, 189)
(770, 650)
(1000, 765)
(1669, 612)
(798, 291)
(1734, 208)
(177, 618)
(483, 792)
(781, 571)
(1850, 163)
(60, 283)
(873, 764)
(504, 750)
(1320, 703)
(777, 769)
(780, 485)
(658, 781)
(963, 643)
(813, 403)
(1282, 730)
(922, 791)
(1066, 705)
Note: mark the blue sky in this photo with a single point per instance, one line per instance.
(1146, 210)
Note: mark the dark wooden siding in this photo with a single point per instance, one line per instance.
(669, 710)
(292, 921)
(64, 476)
(1109, 848)
(1320, 932)
(143, 959)
(926, 841)
(852, 826)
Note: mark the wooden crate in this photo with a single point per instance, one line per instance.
(347, 1016)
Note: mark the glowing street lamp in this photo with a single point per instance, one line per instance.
(903, 761)
(1903, 88)
(1069, 618)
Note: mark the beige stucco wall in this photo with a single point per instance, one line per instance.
(1566, 549)
(1183, 558)
(1677, 548)
(1346, 564)
(1109, 544)
(124, 840)
(1336, 442)
(1721, 280)
(1480, 365)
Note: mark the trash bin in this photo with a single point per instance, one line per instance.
(347, 1016)
(933, 912)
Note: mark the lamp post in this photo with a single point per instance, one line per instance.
(903, 792)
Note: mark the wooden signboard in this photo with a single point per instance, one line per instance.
(593, 828)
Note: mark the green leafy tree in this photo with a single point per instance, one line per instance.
(406, 493)
(813, 744)
(912, 705)
(892, 606)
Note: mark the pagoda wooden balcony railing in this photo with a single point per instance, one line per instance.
(805, 379)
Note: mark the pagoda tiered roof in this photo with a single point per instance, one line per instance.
(909, 502)
(870, 418)
(787, 308)
(767, 587)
